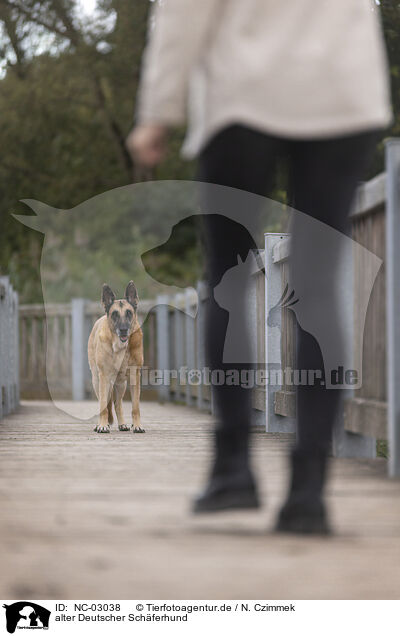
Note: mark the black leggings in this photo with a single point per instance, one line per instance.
(323, 177)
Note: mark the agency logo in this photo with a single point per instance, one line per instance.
(26, 615)
(150, 215)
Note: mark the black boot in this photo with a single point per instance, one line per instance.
(231, 484)
(304, 511)
(233, 488)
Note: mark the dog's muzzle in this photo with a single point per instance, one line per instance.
(123, 334)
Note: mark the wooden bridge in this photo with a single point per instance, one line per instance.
(108, 516)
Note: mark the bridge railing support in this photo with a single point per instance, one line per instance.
(9, 348)
(280, 355)
(279, 337)
(372, 412)
(393, 302)
(180, 347)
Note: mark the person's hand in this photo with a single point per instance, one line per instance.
(147, 144)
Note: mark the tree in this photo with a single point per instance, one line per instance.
(66, 105)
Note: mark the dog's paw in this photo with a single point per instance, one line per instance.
(124, 427)
(137, 429)
(102, 429)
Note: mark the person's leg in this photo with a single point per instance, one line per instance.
(240, 158)
(325, 175)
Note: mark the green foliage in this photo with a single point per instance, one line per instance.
(66, 105)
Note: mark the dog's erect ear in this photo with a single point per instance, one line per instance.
(107, 297)
(131, 294)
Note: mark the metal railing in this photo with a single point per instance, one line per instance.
(9, 359)
(372, 412)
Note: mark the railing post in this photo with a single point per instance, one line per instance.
(190, 344)
(178, 336)
(163, 357)
(9, 332)
(346, 443)
(16, 349)
(5, 345)
(202, 294)
(393, 301)
(256, 325)
(273, 358)
(12, 349)
(79, 348)
(9, 338)
(3, 364)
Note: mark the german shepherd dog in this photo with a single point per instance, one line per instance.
(115, 352)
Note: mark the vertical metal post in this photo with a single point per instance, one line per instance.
(5, 346)
(3, 363)
(162, 329)
(202, 294)
(78, 348)
(179, 342)
(12, 321)
(346, 443)
(252, 317)
(273, 360)
(16, 349)
(9, 348)
(190, 344)
(392, 151)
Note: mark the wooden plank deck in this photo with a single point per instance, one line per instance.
(107, 517)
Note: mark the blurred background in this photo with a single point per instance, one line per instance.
(68, 76)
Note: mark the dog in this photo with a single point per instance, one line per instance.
(115, 350)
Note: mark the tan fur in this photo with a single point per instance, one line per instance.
(113, 364)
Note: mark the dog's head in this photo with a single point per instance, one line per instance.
(121, 314)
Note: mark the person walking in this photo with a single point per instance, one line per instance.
(256, 81)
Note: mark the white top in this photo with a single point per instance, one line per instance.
(292, 68)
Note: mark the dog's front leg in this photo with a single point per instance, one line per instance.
(119, 392)
(104, 397)
(135, 395)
